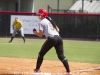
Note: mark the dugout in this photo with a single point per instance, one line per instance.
(72, 25)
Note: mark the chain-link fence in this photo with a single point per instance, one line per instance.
(71, 25)
(78, 25)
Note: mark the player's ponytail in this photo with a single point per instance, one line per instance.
(52, 22)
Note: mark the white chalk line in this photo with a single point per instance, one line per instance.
(86, 70)
(77, 71)
(73, 72)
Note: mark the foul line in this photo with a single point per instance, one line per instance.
(73, 72)
(85, 70)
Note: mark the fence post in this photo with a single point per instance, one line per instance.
(58, 6)
(97, 28)
(18, 5)
(82, 6)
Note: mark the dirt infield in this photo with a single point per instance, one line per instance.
(22, 66)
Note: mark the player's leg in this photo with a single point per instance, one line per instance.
(13, 35)
(22, 34)
(45, 48)
(59, 51)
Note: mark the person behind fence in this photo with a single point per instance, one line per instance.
(17, 29)
(48, 27)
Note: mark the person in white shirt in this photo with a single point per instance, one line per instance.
(48, 28)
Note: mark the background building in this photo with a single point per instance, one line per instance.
(34, 5)
(17, 5)
(91, 6)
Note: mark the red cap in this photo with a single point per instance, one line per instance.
(42, 12)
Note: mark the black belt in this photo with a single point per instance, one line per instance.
(53, 36)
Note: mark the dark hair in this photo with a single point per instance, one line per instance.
(52, 22)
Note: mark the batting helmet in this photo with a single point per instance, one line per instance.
(42, 12)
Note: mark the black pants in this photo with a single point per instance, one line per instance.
(56, 42)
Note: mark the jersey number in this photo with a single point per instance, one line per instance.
(52, 28)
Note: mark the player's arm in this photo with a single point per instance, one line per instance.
(13, 25)
(20, 25)
(40, 33)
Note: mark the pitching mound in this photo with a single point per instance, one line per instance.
(21, 66)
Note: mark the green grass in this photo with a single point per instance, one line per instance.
(73, 50)
(83, 51)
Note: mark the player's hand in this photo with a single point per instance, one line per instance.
(19, 30)
(34, 31)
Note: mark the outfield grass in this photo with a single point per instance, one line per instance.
(74, 50)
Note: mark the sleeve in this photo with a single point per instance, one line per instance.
(40, 26)
(20, 23)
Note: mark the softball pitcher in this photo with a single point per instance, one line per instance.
(17, 28)
(51, 31)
